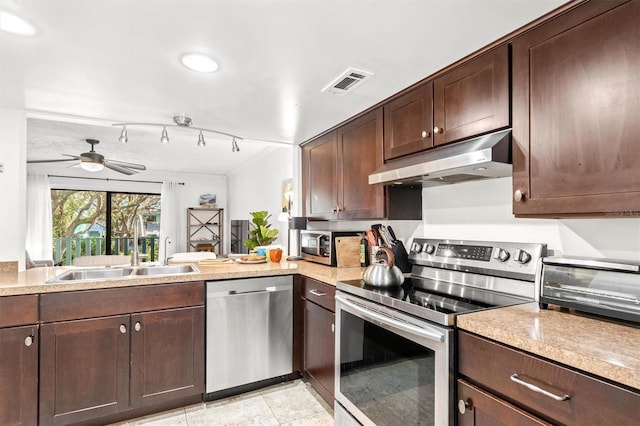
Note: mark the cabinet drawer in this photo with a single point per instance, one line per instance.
(18, 310)
(590, 400)
(484, 409)
(106, 302)
(319, 293)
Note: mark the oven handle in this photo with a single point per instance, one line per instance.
(438, 337)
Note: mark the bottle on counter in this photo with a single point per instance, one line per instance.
(363, 250)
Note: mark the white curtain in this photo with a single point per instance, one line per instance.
(169, 218)
(39, 238)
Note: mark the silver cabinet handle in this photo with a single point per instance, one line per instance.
(518, 195)
(333, 328)
(438, 130)
(514, 378)
(317, 293)
(137, 326)
(463, 406)
(123, 328)
(28, 341)
(425, 134)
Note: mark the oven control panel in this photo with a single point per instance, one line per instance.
(519, 260)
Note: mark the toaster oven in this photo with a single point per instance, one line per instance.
(599, 286)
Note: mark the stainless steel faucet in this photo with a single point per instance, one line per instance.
(167, 240)
(138, 225)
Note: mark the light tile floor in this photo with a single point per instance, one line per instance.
(293, 403)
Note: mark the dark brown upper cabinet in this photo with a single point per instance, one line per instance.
(469, 100)
(408, 123)
(336, 168)
(319, 176)
(576, 100)
(473, 98)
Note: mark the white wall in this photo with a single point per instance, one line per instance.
(482, 210)
(13, 142)
(257, 185)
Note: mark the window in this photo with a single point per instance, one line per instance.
(90, 223)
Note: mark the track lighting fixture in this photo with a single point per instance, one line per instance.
(165, 136)
(123, 135)
(183, 122)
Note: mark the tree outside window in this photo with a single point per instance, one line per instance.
(89, 223)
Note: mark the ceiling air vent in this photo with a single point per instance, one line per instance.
(347, 81)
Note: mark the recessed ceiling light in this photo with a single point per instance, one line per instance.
(16, 25)
(199, 62)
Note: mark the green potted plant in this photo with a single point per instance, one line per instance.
(260, 232)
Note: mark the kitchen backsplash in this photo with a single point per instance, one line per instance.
(482, 211)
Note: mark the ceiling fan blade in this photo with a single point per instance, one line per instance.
(51, 161)
(118, 168)
(128, 165)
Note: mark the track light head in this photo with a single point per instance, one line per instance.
(234, 146)
(201, 141)
(124, 138)
(165, 136)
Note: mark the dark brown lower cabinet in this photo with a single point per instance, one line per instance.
(19, 375)
(479, 408)
(108, 368)
(167, 355)
(506, 377)
(319, 337)
(84, 369)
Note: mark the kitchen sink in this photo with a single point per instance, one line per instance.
(103, 274)
(166, 270)
(91, 275)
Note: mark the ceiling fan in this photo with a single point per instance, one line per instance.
(94, 162)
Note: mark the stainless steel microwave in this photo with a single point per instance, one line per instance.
(320, 246)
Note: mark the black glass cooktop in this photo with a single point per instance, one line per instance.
(438, 301)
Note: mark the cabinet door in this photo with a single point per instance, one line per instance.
(320, 177)
(473, 98)
(483, 409)
(359, 155)
(564, 396)
(84, 369)
(408, 122)
(167, 355)
(319, 348)
(19, 375)
(576, 97)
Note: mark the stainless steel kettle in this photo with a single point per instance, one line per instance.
(383, 272)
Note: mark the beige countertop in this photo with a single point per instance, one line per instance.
(604, 348)
(33, 281)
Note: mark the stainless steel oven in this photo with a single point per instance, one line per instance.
(390, 366)
(395, 347)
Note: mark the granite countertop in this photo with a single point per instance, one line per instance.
(604, 348)
(33, 281)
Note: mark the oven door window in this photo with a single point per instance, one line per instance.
(386, 376)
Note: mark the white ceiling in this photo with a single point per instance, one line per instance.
(93, 63)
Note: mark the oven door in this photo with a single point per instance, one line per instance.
(391, 368)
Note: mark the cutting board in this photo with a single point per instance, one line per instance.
(347, 251)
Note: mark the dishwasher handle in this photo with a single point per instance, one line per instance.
(226, 292)
(429, 334)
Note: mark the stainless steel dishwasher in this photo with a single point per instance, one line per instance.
(249, 331)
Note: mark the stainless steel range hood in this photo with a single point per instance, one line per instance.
(484, 157)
